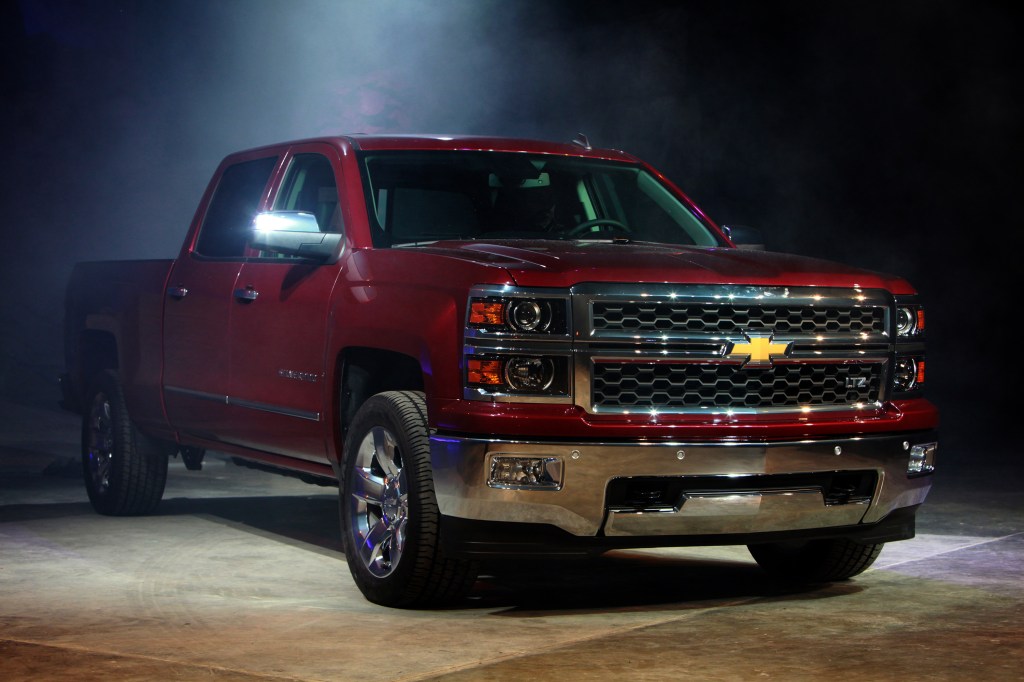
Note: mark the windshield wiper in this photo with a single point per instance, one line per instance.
(426, 239)
(618, 239)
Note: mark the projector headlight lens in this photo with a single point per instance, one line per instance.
(529, 374)
(529, 316)
(909, 321)
(907, 374)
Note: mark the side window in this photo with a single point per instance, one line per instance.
(310, 186)
(226, 226)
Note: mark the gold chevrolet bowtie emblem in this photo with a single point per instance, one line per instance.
(760, 349)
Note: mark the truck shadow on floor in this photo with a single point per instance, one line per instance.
(309, 521)
(622, 580)
(619, 580)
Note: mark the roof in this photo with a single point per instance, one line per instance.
(450, 143)
(478, 143)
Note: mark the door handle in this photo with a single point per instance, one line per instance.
(179, 292)
(247, 294)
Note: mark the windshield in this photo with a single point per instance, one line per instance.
(420, 197)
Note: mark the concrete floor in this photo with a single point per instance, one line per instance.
(239, 577)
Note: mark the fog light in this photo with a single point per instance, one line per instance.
(922, 459)
(525, 473)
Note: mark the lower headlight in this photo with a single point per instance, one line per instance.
(908, 374)
(529, 374)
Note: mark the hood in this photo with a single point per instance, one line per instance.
(551, 263)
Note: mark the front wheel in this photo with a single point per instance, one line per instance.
(125, 470)
(389, 516)
(815, 561)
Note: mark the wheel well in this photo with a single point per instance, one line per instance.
(367, 371)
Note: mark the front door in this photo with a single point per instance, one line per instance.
(280, 324)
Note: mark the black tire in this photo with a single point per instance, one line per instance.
(815, 561)
(389, 516)
(125, 470)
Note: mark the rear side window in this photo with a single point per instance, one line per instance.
(225, 228)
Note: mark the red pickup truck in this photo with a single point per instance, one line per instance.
(506, 347)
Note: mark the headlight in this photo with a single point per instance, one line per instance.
(517, 345)
(908, 374)
(909, 321)
(908, 360)
(519, 374)
(529, 374)
(529, 315)
(518, 315)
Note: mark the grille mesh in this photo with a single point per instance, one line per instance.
(722, 318)
(689, 386)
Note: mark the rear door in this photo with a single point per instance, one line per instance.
(197, 361)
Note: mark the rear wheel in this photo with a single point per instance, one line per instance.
(389, 515)
(815, 561)
(125, 470)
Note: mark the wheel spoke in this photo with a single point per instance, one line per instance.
(103, 471)
(398, 538)
(372, 549)
(367, 487)
(385, 451)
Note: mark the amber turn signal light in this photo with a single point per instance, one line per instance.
(487, 313)
(484, 372)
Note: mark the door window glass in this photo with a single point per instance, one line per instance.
(226, 226)
(309, 186)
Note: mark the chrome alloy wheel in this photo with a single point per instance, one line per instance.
(379, 503)
(99, 443)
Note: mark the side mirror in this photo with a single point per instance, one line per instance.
(295, 233)
(749, 238)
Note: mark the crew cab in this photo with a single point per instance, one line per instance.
(506, 347)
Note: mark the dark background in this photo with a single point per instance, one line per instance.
(882, 134)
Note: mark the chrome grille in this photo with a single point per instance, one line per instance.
(631, 385)
(661, 317)
(712, 349)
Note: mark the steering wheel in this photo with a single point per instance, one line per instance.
(609, 224)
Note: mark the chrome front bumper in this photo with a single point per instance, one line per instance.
(461, 467)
